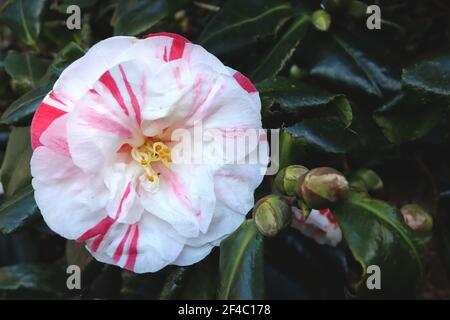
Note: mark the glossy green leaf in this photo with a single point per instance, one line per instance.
(280, 54)
(24, 18)
(377, 235)
(28, 281)
(297, 267)
(21, 111)
(428, 79)
(326, 134)
(283, 98)
(62, 60)
(403, 119)
(240, 23)
(25, 70)
(135, 17)
(18, 210)
(343, 63)
(292, 149)
(241, 264)
(15, 171)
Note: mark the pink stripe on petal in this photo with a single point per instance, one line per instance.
(53, 96)
(108, 81)
(177, 48)
(122, 200)
(44, 116)
(134, 101)
(244, 82)
(100, 122)
(327, 213)
(100, 228)
(178, 190)
(133, 250)
(118, 253)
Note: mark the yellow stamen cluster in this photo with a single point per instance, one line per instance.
(151, 151)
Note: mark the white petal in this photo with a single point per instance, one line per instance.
(185, 198)
(70, 201)
(190, 255)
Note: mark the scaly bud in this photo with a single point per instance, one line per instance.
(271, 215)
(322, 187)
(417, 218)
(287, 179)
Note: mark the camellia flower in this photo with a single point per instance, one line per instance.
(102, 167)
(320, 225)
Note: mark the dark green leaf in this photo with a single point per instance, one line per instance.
(326, 134)
(341, 62)
(62, 60)
(241, 264)
(135, 17)
(284, 98)
(21, 111)
(376, 235)
(428, 80)
(303, 269)
(18, 210)
(402, 119)
(240, 23)
(291, 149)
(24, 19)
(25, 70)
(15, 171)
(280, 54)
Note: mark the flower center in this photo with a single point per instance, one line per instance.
(152, 150)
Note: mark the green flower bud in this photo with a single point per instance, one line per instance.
(335, 5)
(321, 20)
(417, 218)
(287, 179)
(320, 188)
(369, 179)
(271, 215)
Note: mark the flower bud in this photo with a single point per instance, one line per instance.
(370, 180)
(271, 215)
(320, 225)
(417, 218)
(287, 179)
(321, 20)
(322, 187)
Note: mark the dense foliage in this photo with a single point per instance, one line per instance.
(346, 97)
